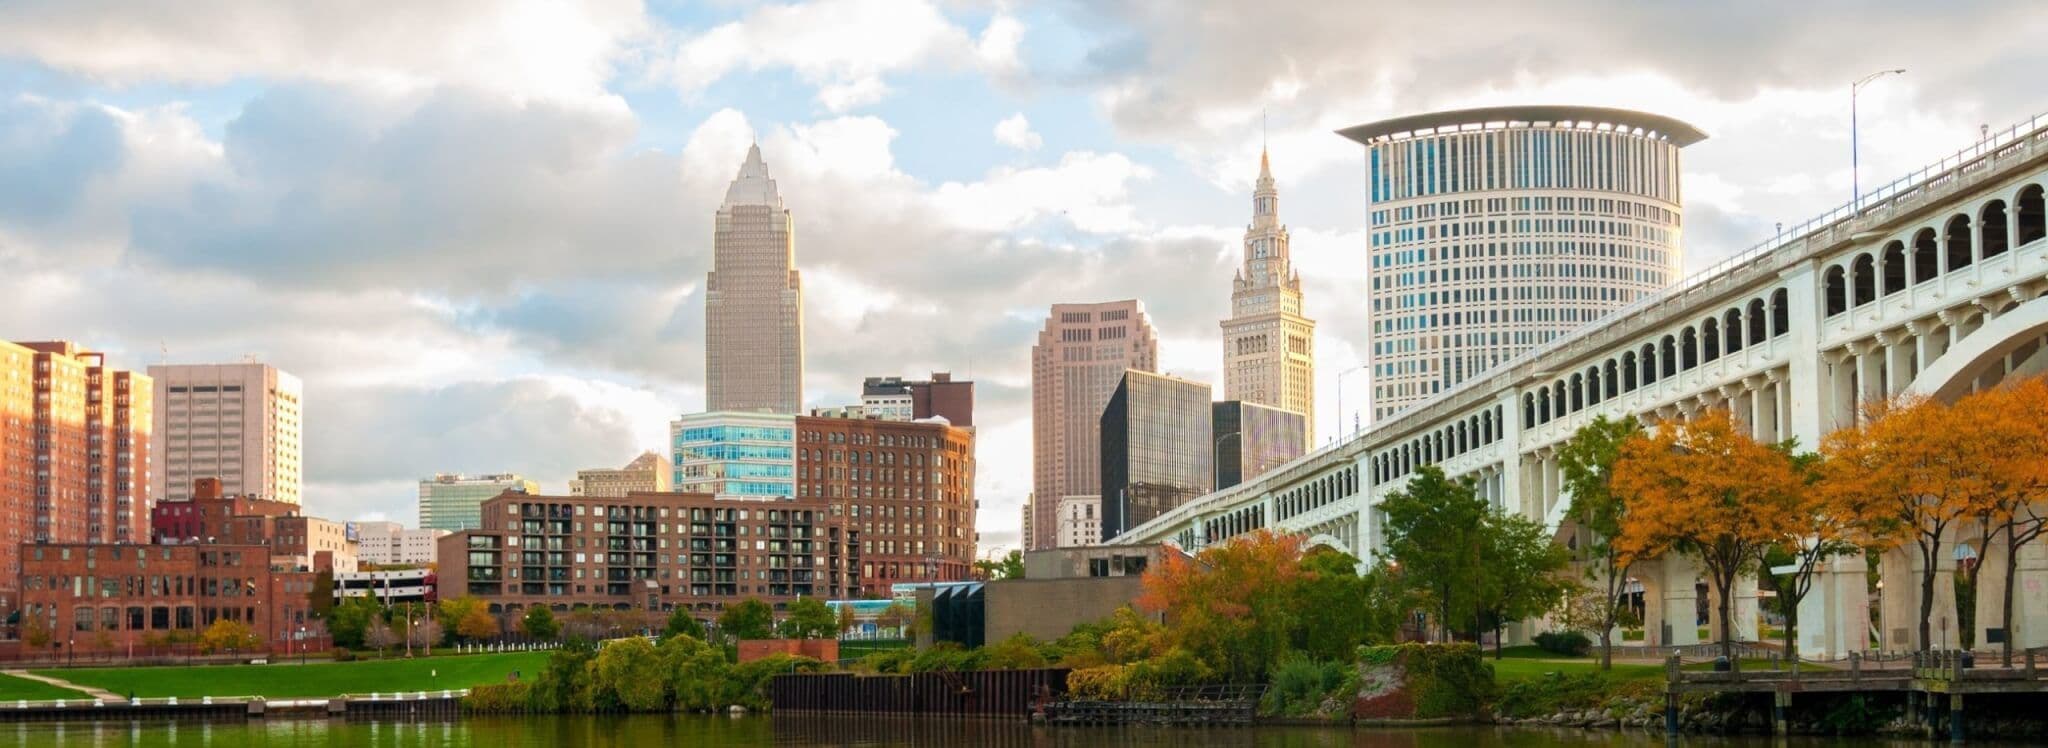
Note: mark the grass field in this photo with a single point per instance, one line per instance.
(15, 689)
(284, 680)
(1530, 662)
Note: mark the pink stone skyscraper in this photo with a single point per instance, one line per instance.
(753, 301)
(1080, 356)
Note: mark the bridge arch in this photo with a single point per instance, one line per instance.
(1957, 371)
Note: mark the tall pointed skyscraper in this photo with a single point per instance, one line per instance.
(753, 301)
(1268, 346)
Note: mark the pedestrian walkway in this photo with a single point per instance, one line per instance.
(61, 683)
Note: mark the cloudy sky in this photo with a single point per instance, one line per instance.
(479, 230)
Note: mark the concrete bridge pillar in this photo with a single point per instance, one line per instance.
(1899, 607)
(1834, 617)
(1742, 615)
(1670, 601)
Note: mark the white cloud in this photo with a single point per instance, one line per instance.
(524, 48)
(846, 48)
(1015, 132)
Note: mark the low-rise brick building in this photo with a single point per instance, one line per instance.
(90, 598)
(294, 540)
(654, 552)
(908, 486)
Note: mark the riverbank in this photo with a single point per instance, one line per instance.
(295, 680)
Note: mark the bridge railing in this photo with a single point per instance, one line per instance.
(1883, 199)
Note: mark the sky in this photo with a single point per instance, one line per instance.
(478, 230)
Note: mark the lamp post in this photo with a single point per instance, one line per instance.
(1341, 374)
(1215, 457)
(1856, 153)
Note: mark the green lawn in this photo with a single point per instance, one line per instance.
(1525, 665)
(288, 680)
(15, 689)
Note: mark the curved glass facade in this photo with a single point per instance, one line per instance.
(1493, 237)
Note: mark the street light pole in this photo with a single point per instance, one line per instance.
(1855, 152)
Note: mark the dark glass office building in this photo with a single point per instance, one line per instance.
(1251, 439)
(1156, 448)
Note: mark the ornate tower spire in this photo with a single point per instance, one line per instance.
(1268, 346)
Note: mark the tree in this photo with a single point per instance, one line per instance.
(748, 619)
(808, 618)
(1904, 474)
(695, 671)
(847, 622)
(630, 676)
(320, 600)
(1809, 532)
(1231, 606)
(894, 617)
(349, 621)
(682, 623)
(1587, 461)
(477, 625)
(228, 636)
(1337, 609)
(1523, 572)
(451, 613)
(380, 635)
(2016, 419)
(539, 623)
(1707, 490)
(1433, 533)
(1010, 566)
(424, 633)
(35, 630)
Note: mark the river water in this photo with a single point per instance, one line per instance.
(696, 730)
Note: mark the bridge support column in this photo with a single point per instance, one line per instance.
(1743, 613)
(1899, 612)
(1834, 617)
(1670, 601)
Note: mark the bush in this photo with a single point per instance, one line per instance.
(1300, 684)
(1567, 643)
(1533, 697)
(947, 657)
(746, 684)
(499, 698)
(1019, 652)
(341, 654)
(889, 662)
(1445, 680)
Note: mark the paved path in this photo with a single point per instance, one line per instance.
(60, 683)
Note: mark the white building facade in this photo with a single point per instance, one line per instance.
(1494, 231)
(1080, 521)
(236, 422)
(392, 543)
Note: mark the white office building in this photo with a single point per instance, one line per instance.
(235, 422)
(392, 543)
(1493, 231)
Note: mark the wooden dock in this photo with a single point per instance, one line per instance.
(1934, 684)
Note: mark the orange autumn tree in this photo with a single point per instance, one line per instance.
(1704, 489)
(2011, 431)
(1907, 473)
(1228, 605)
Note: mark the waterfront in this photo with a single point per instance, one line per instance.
(692, 730)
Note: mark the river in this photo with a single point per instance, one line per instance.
(695, 730)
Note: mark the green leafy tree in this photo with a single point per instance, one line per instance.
(748, 619)
(1339, 609)
(540, 623)
(452, 612)
(349, 622)
(320, 600)
(630, 677)
(564, 685)
(1010, 566)
(1434, 533)
(894, 617)
(682, 624)
(695, 672)
(1524, 572)
(1587, 461)
(809, 618)
(846, 619)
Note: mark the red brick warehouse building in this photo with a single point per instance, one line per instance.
(116, 599)
(907, 486)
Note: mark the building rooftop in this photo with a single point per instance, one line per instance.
(1488, 118)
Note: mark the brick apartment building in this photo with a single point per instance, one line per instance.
(907, 486)
(75, 438)
(90, 598)
(654, 552)
(294, 540)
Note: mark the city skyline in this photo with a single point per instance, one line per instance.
(526, 292)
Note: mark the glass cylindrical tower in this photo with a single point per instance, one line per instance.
(1495, 230)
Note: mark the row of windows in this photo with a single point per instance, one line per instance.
(1892, 269)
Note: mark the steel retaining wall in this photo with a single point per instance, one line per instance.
(985, 693)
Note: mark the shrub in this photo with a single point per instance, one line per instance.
(1567, 643)
(1099, 683)
(947, 657)
(1019, 652)
(1548, 694)
(746, 684)
(341, 654)
(889, 662)
(629, 677)
(499, 698)
(1300, 684)
(1447, 680)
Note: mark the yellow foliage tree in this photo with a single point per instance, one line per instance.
(2011, 425)
(1705, 489)
(228, 636)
